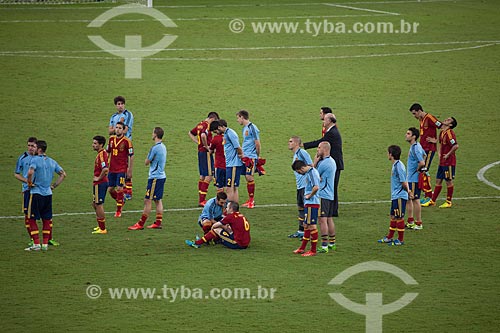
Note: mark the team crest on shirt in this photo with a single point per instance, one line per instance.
(121, 147)
(246, 133)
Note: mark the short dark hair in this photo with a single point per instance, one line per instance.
(41, 144)
(119, 99)
(100, 139)
(159, 132)
(234, 206)
(244, 114)
(213, 115)
(222, 195)
(416, 107)
(415, 132)
(298, 164)
(214, 125)
(120, 123)
(395, 151)
(326, 109)
(222, 122)
(32, 139)
(454, 123)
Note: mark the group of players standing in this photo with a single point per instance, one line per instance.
(407, 185)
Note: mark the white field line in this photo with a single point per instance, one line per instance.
(263, 47)
(369, 202)
(7, 54)
(481, 177)
(89, 7)
(362, 9)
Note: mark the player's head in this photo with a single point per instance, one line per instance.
(222, 125)
(323, 111)
(453, 123)
(299, 166)
(221, 198)
(213, 116)
(242, 116)
(119, 128)
(324, 149)
(214, 125)
(412, 132)
(232, 207)
(394, 151)
(32, 145)
(158, 132)
(294, 142)
(119, 103)
(416, 110)
(98, 142)
(41, 146)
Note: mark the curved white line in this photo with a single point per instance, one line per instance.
(480, 175)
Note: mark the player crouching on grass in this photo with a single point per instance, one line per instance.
(233, 230)
(101, 170)
(212, 212)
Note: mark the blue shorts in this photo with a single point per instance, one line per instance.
(233, 175)
(205, 163)
(100, 193)
(311, 217)
(220, 178)
(228, 241)
(26, 201)
(116, 179)
(201, 219)
(251, 170)
(414, 189)
(398, 208)
(155, 187)
(40, 207)
(446, 172)
(429, 155)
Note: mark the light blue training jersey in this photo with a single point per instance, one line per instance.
(301, 155)
(158, 157)
(44, 167)
(250, 134)
(398, 176)
(327, 168)
(211, 210)
(23, 166)
(231, 143)
(415, 155)
(125, 117)
(312, 179)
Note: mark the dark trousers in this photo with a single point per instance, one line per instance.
(336, 196)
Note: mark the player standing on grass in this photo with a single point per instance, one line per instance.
(299, 154)
(127, 118)
(40, 174)
(311, 206)
(233, 230)
(217, 148)
(428, 138)
(121, 161)
(100, 183)
(157, 158)
(21, 174)
(399, 196)
(251, 151)
(201, 135)
(416, 162)
(447, 162)
(234, 165)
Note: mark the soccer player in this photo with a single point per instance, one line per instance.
(416, 162)
(233, 230)
(234, 165)
(212, 212)
(100, 183)
(127, 118)
(428, 138)
(299, 154)
(40, 174)
(251, 150)
(201, 135)
(217, 148)
(121, 161)
(332, 136)
(157, 158)
(327, 169)
(399, 196)
(21, 174)
(311, 205)
(447, 162)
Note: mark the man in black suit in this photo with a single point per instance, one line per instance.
(332, 135)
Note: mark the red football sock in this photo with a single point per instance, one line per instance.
(102, 223)
(206, 227)
(47, 227)
(128, 186)
(449, 193)
(207, 237)
(401, 229)
(51, 229)
(159, 218)
(143, 219)
(410, 220)
(314, 240)
(119, 201)
(113, 193)
(27, 224)
(437, 190)
(418, 222)
(306, 237)
(34, 232)
(392, 229)
(251, 190)
(427, 186)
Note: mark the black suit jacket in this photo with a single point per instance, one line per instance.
(335, 140)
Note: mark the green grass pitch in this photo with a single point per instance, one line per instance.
(57, 85)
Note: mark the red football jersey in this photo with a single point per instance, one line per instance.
(119, 150)
(202, 127)
(240, 227)
(428, 128)
(101, 162)
(218, 146)
(447, 139)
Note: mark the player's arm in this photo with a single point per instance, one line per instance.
(221, 225)
(257, 147)
(111, 130)
(239, 151)
(193, 137)
(20, 178)
(104, 173)
(203, 137)
(313, 192)
(431, 139)
(452, 150)
(130, 166)
(59, 180)
(29, 179)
